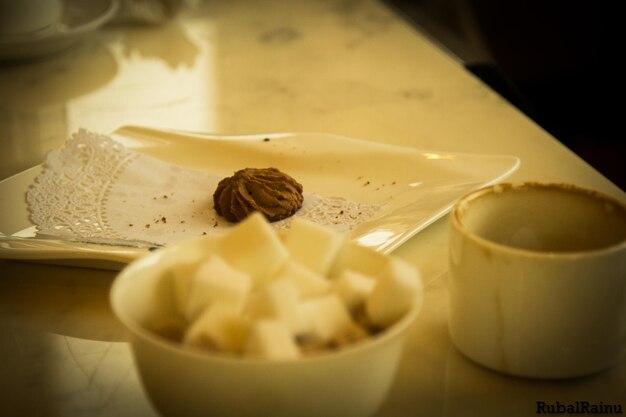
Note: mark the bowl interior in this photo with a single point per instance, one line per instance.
(550, 218)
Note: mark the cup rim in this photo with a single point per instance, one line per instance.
(394, 331)
(462, 203)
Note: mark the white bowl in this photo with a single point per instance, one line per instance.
(352, 381)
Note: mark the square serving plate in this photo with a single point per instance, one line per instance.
(414, 187)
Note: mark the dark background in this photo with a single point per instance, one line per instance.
(556, 61)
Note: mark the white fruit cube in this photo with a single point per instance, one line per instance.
(181, 278)
(214, 281)
(325, 318)
(395, 293)
(279, 300)
(313, 245)
(360, 259)
(219, 327)
(353, 288)
(271, 339)
(308, 283)
(254, 247)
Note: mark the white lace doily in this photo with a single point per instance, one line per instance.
(96, 190)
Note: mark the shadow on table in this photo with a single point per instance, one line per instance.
(67, 301)
(473, 390)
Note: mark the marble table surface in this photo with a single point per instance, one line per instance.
(353, 68)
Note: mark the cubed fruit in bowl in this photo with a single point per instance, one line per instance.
(215, 280)
(308, 282)
(325, 318)
(313, 245)
(254, 248)
(280, 300)
(359, 259)
(290, 342)
(181, 278)
(394, 294)
(272, 339)
(220, 328)
(354, 288)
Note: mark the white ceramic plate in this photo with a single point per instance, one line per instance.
(79, 18)
(416, 187)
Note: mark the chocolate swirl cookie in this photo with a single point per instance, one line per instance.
(272, 192)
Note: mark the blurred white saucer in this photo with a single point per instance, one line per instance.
(78, 19)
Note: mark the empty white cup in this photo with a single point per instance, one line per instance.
(538, 279)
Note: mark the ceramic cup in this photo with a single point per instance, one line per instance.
(23, 17)
(538, 279)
